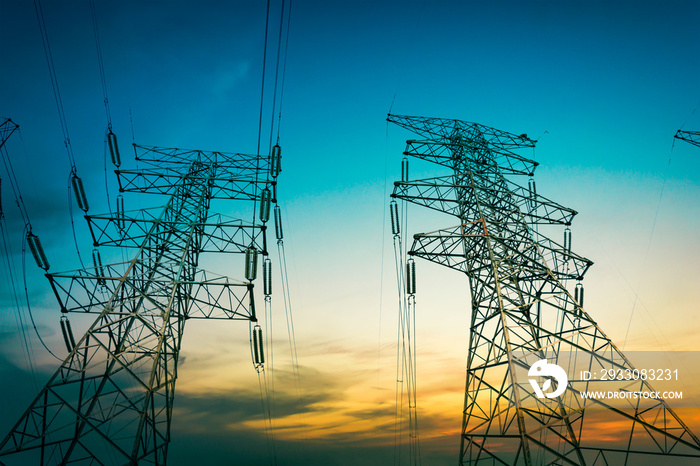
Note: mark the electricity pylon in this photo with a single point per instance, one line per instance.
(523, 313)
(692, 137)
(111, 400)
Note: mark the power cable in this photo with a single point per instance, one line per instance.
(381, 271)
(54, 81)
(258, 364)
(103, 80)
(284, 69)
(406, 357)
(27, 232)
(262, 97)
(280, 244)
(98, 45)
(291, 334)
(689, 117)
(80, 195)
(277, 69)
(398, 410)
(651, 237)
(270, 358)
(131, 122)
(19, 319)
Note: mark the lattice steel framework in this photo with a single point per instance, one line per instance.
(111, 400)
(523, 312)
(7, 127)
(692, 137)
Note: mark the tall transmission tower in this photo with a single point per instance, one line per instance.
(523, 313)
(111, 400)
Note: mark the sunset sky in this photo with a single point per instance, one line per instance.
(603, 86)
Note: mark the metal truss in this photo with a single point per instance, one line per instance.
(7, 127)
(693, 137)
(111, 400)
(522, 311)
(131, 229)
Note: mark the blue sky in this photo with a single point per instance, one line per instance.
(602, 85)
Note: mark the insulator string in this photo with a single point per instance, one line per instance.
(29, 306)
(104, 150)
(72, 224)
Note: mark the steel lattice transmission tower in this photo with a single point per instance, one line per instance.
(111, 400)
(522, 311)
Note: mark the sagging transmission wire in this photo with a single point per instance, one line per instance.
(32, 241)
(406, 357)
(256, 338)
(7, 128)
(109, 143)
(257, 355)
(100, 61)
(262, 100)
(74, 180)
(267, 389)
(381, 268)
(637, 290)
(400, 329)
(19, 318)
(291, 334)
(275, 154)
(110, 139)
(284, 72)
(267, 265)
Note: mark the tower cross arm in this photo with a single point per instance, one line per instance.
(446, 128)
(443, 194)
(443, 152)
(226, 161)
(220, 233)
(7, 127)
(693, 137)
(163, 181)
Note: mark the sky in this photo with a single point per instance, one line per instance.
(602, 86)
